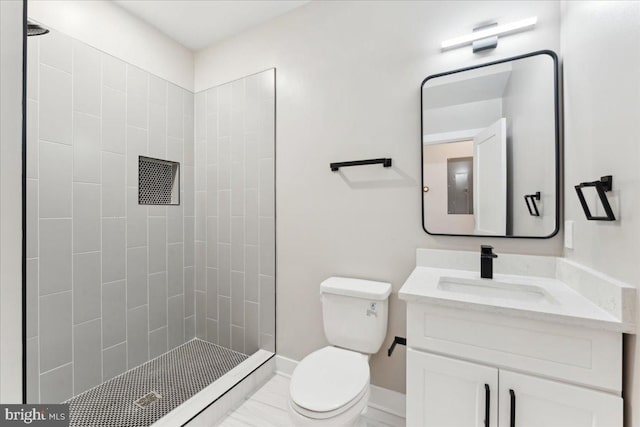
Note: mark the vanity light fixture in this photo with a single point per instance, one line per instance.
(486, 36)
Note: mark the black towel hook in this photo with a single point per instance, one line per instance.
(602, 186)
(533, 208)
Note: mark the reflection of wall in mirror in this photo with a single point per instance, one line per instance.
(528, 107)
(437, 218)
(471, 115)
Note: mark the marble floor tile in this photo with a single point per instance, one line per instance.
(267, 407)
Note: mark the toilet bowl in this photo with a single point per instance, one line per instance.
(330, 387)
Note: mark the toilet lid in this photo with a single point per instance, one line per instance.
(329, 379)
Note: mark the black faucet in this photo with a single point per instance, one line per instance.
(486, 261)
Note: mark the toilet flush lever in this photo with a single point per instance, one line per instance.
(371, 311)
(396, 340)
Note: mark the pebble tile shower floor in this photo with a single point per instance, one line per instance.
(176, 376)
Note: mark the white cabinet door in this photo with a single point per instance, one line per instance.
(527, 401)
(444, 392)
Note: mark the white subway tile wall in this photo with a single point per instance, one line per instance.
(235, 213)
(111, 284)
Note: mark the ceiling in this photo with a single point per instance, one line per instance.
(481, 84)
(196, 24)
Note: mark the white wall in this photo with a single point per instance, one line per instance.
(10, 201)
(107, 27)
(348, 87)
(601, 53)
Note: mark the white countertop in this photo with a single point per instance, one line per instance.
(561, 303)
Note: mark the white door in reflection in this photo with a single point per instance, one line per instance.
(490, 179)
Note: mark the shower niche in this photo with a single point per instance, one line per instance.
(158, 182)
(141, 271)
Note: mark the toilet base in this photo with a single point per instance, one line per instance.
(352, 417)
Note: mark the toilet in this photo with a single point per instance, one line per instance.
(330, 387)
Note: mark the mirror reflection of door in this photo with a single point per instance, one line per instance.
(446, 203)
(490, 179)
(460, 185)
(461, 111)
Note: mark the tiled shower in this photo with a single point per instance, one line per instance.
(113, 283)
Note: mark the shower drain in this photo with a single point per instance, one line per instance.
(147, 399)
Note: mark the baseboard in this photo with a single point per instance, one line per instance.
(382, 399)
(285, 366)
(389, 401)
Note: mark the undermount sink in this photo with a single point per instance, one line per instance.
(494, 289)
(534, 288)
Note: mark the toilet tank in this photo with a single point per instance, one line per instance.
(355, 313)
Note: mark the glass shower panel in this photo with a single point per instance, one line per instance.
(235, 213)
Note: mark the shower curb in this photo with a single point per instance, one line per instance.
(223, 396)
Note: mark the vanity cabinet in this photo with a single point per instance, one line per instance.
(467, 368)
(447, 392)
(517, 350)
(538, 402)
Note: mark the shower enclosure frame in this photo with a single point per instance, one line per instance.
(24, 201)
(24, 301)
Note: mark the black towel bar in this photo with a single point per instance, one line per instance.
(386, 162)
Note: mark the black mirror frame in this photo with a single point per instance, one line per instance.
(556, 98)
